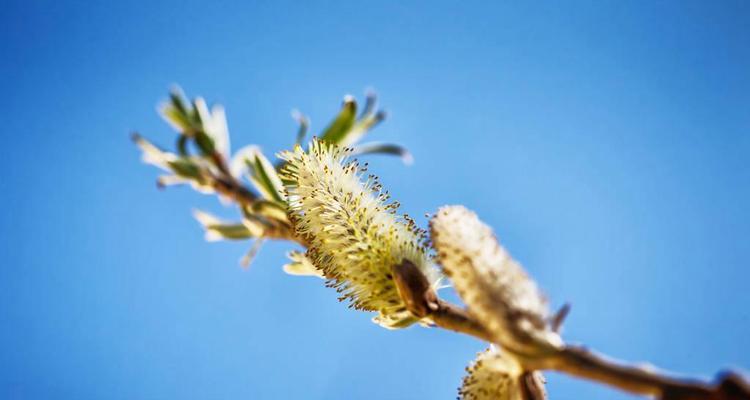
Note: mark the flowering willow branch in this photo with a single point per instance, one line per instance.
(354, 234)
(381, 262)
(508, 303)
(581, 362)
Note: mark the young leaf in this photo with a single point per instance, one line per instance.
(256, 227)
(337, 131)
(304, 125)
(361, 127)
(217, 229)
(301, 265)
(205, 143)
(384, 148)
(371, 100)
(214, 124)
(248, 258)
(175, 113)
(261, 172)
(270, 210)
(265, 179)
(186, 168)
(152, 154)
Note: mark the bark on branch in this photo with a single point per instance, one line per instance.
(579, 361)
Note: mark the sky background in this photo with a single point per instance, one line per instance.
(606, 142)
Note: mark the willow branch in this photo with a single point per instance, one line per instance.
(228, 186)
(233, 190)
(423, 302)
(581, 362)
(454, 318)
(572, 360)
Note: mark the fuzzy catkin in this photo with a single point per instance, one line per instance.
(491, 376)
(355, 237)
(494, 375)
(495, 287)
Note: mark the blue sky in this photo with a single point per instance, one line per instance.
(606, 142)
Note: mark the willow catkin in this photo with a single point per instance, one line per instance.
(494, 375)
(355, 237)
(495, 287)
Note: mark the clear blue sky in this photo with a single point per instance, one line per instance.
(606, 142)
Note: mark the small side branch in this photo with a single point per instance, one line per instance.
(452, 317)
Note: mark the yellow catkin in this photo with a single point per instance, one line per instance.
(354, 235)
(494, 376)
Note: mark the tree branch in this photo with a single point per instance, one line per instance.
(454, 318)
(573, 360)
(581, 362)
(423, 302)
(228, 186)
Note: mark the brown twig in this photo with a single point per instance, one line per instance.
(228, 186)
(234, 190)
(452, 317)
(583, 363)
(579, 361)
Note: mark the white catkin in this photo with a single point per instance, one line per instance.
(495, 287)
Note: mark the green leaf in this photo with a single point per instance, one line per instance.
(152, 154)
(176, 98)
(217, 229)
(175, 112)
(182, 143)
(384, 148)
(174, 117)
(262, 174)
(195, 113)
(204, 143)
(256, 227)
(371, 100)
(185, 168)
(270, 210)
(248, 258)
(361, 127)
(304, 125)
(301, 265)
(170, 180)
(266, 179)
(337, 131)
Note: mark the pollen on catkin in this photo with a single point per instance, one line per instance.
(495, 376)
(355, 236)
(493, 285)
